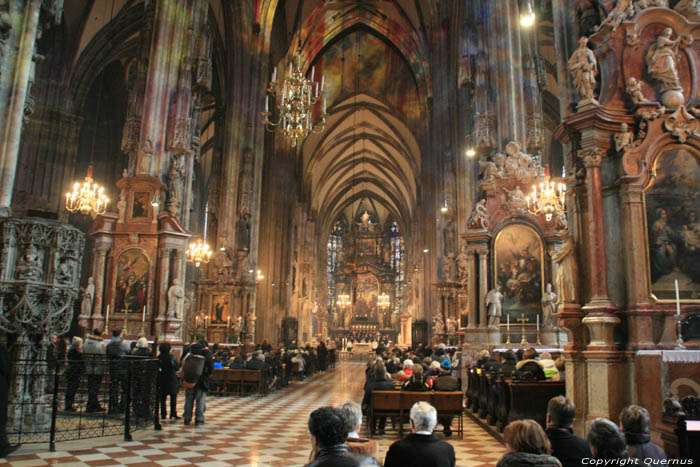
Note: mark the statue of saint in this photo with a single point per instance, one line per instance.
(176, 177)
(121, 206)
(479, 217)
(662, 60)
(634, 90)
(583, 68)
(438, 325)
(462, 265)
(624, 138)
(493, 304)
(29, 265)
(689, 8)
(549, 306)
(516, 199)
(450, 237)
(566, 278)
(176, 300)
(88, 296)
(622, 10)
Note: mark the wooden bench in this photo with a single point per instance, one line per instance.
(529, 399)
(398, 404)
(227, 381)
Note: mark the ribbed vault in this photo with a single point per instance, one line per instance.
(365, 153)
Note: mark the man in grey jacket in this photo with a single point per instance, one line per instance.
(94, 357)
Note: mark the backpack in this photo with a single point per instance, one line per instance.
(191, 370)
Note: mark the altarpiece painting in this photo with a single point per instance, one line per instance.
(133, 271)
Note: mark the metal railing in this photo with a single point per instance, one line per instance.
(52, 401)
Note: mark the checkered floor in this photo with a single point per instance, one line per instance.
(250, 431)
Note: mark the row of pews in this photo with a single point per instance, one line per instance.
(500, 400)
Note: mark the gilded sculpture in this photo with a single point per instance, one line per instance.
(662, 65)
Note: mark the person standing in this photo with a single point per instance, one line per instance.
(116, 352)
(5, 375)
(76, 368)
(167, 380)
(197, 395)
(94, 356)
(322, 352)
(446, 382)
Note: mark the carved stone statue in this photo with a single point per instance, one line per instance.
(549, 306)
(438, 325)
(634, 91)
(566, 278)
(489, 171)
(516, 199)
(64, 273)
(121, 206)
(243, 232)
(624, 138)
(88, 296)
(493, 304)
(479, 217)
(583, 68)
(447, 269)
(622, 10)
(662, 65)
(176, 300)
(689, 8)
(176, 178)
(462, 265)
(451, 327)
(450, 237)
(29, 265)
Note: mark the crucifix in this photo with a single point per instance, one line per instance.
(522, 320)
(126, 322)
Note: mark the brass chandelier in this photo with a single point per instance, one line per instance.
(198, 252)
(383, 301)
(88, 197)
(295, 99)
(343, 300)
(550, 199)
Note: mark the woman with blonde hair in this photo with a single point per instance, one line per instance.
(527, 445)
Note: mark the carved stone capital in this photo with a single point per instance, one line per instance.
(592, 157)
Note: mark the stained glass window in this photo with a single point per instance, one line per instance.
(334, 250)
(397, 264)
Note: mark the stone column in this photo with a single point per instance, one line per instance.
(17, 66)
(483, 285)
(638, 288)
(99, 273)
(473, 303)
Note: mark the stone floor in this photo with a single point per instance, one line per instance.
(247, 431)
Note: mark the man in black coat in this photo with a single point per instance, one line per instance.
(569, 449)
(379, 383)
(328, 429)
(421, 448)
(5, 374)
(198, 394)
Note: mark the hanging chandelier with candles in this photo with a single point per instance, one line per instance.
(343, 300)
(198, 252)
(383, 300)
(295, 99)
(88, 197)
(549, 199)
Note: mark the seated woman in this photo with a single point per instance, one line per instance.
(407, 372)
(527, 444)
(417, 382)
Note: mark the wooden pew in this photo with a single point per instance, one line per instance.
(529, 399)
(399, 403)
(483, 395)
(473, 390)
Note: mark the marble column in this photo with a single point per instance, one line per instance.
(483, 285)
(98, 274)
(473, 302)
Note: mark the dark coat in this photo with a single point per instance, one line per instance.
(167, 376)
(566, 447)
(199, 349)
(639, 446)
(5, 374)
(417, 383)
(507, 369)
(381, 385)
(526, 459)
(420, 451)
(237, 364)
(445, 382)
(143, 352)
(334, 456)
(76, 365)
(255, 364)
(492, 366)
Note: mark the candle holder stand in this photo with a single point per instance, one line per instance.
(679, 340)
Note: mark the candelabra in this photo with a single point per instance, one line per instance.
(198, 252)
(679, 340)
(550, 199)
(383, 301)
(88, 198)
(295, 99)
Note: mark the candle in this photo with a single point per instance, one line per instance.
(107, 318)
(228, 321)
(678, 300)
(290, 67)
(508, 323)
(316, 88)
(323, 81)
(267, 103)
(538, 323)
(324, 105)
(144, 314)
(274, 75)
(313, 68)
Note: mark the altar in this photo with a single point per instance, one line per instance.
(362, 347)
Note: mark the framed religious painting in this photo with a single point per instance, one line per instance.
(519, 269)
(672, 203)
(366, 293)
(140, 205)
(220, 308)
(132, 281)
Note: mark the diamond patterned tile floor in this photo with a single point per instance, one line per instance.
(249, 431)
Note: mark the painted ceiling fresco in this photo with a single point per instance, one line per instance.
(361, 62)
